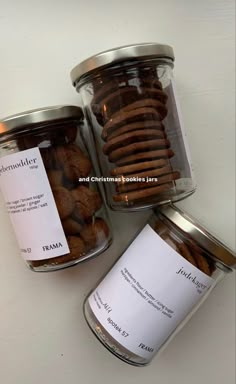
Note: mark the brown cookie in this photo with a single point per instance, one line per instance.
(48, 157)
(87, 202)
(144, 156)
(64, 202)
(141, 185)
(148, 103)
(135, 127)
(185, 252)
(55, 178)
(136, 115)
(202, 263)
(142, 194)
(74, 162)
(77, 247)
(131, 137)
(154, 173)
(127, 169)
(95, 233)
(71, 226)
(144, 146)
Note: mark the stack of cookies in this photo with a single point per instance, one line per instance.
(131, 109)
(77, 203)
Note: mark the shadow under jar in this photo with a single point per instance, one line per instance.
(156, 286)
(58, 220)
(130, 104)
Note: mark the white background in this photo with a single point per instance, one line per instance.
(43, 336)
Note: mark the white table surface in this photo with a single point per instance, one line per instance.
(43, 336)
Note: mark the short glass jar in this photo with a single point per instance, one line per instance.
(156, 286)
(130, 103)
(58, 220)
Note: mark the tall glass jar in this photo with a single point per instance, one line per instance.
(58, 220)
(131, 106)
(156, 286)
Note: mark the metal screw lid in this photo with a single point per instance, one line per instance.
(40, 115)
(115, 55)
(199, 234)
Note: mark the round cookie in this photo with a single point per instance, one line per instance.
(149, 103)
(202, 263)
(143, 156)
(133, 136)
(71, 226)
(135, 127)
(77, 247)
(146, 173)
(64, 202)
(126, 169)
(142, 185)
(136, 115)
(95, 233)
(55, 178)
(138, 147)
(142, 194)
(87, 202)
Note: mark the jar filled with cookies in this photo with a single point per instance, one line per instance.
(156, 286)
(131, 107)
(58, 218)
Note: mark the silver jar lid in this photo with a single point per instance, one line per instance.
(199, 234)
(115, 55)
(39, 116)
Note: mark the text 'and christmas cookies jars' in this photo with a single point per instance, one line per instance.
(58, 221)
(156, 286)
(130, 104)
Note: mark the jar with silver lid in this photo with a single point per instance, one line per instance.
(156, 286)
(58, 220)
(131, 106)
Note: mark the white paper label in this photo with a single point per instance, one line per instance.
(148, 292)
(31, 206)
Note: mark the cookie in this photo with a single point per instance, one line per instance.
(141, 185)
(143, 156)
(95, 233)
(184, 251)
(202, 263)
(142, 194)
(133, 136)
(127, 169)
(64, 201)
(144, 146)
(87, 202)
(73, 161)
(136, 115)
(55, 178)
(149, 103)
(71, 227)
(77, 247)
(135, 127)
(154, 173)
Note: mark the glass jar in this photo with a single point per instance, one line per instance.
(156, 286)
(130, 103)
(58, 220)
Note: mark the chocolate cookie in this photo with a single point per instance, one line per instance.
(74, 162)
(141, 185)
(95, 233)
(55, 178)
(148, 103)
(144, 146)
(64, 202)
(142, 194)
(135, 127)
(71, 226)
(127, 169)
(134, 136)
(143, 156)
(87, 202)
(136, 115)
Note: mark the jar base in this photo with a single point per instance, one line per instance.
(109, 342)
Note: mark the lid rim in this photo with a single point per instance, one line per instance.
(186, 224)
(118, 54)
(38, 116)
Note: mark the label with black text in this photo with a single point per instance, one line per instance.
(31, 206)
(147, 294)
